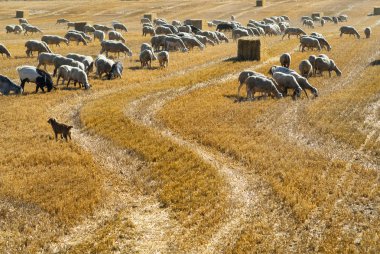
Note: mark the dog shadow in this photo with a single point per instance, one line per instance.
(375, 63)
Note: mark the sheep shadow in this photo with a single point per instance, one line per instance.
(137, 68)
(235, 99)
(375, 63)
(232, 59)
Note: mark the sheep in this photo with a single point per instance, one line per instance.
(54, 40)
(367, 32)
(308, 23)
(211, 35)
(327, 18)
(10, 28)
(243, 76)
(73, 36)
(293, 31)
(158, 41)
(146, 58)
(303, 82)
(120, 26)
(78, 75)
(176, 23)
(6, 86)
(221, 37)
(34, 75)
(145, 46)
(325, 64)
(31, 29)
(322, 41)
(163, 30)
(192, 42)
(70, 24)
(46, 58)
(309, 42)
(88, 29)
(261, 84)
(103, 28)
(115, 47)
(148, 30)
(61, 60)
(18, 29)
(285, 60)
(100, 35)
(63, 72)
(160, 22)
(323, 22)
(223, 27)
(185, 29)
(237, 33)
(34, 45)
(173, 42)
(116, 70)
(87, 61)
(349, 30)
(62, 21)
(113, 35)
(103, 65)
(85, 36)
(172, 28)
(145, 21)
(335, 20)
(343, 18)
(163, 58)
(287, 81)
(204, 40)
(23, 21)
(306, 68)
(4, 51)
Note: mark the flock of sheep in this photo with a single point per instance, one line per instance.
(166, 37)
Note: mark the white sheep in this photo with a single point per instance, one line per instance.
(46, 58)
(78, 75)
(100, 35)
(306, 68)
(113, 35)
(287, 81)
(163, 58)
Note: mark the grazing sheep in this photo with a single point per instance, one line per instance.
(103, 28)
(18, 29)
(163, 58)
(148, 30)
(204, 40)
(192, 42)
(6, 86)
(323, 22)
(287, 81)
(285, 60)
(309, 42)
(78, 76)
(343, 18)
(64, 73)
(322, 41)
(367, 32)
(62, 21)
(303, 82)
(172, 28)
(176, 23)
(46, 58)
(34, 75)
(184, 29)
(23, 21)
(243, 76)
(163, 30)
(115, 47)
(31, 29)
(158, 41)
(73, 36)
(88, 29)
(100, 35)
(145, 46)
(328, 19)
(261, 84)
(34, 45)
(221, 37)
(325, 64)
(10, 28)
(87, 61)
(60, 128)
(308, 23)
(145, 21)
(349, 30)
(113, 35)
(116, 70)
(70, 24)
(211, 35)
(237, 33)
(103, 65)
(54, 40)
(61, 60)
(4, 51)
(173, 42)
(335, 20)
(120, 26)
(293, 31)
(146, 58)
(225, 27)
(85, 36)
(306, 68)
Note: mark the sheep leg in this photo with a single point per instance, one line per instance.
(68, 82)
(306, 93)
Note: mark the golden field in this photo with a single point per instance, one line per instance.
(164, 160)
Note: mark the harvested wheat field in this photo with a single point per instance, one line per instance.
(165, 155)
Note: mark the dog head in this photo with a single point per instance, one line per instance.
(51, 120)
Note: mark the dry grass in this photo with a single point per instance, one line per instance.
(47, 188)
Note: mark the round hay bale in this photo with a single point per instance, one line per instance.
(249, 49)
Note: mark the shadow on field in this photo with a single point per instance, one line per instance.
(375, 63)
(136, 68)
(232, 59)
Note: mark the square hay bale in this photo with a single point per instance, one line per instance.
(260, 3)
(249, 49)
(376, 11)
(22, 13)
(79, 26)
(316, 14)
(151, 16)
(198, 23)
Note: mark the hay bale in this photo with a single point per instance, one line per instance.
(151, 16)
(249, 49)
(198, 23)
(260, 3)
(79, 26)
(316, 14)
(376, 11)
(22, 13)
